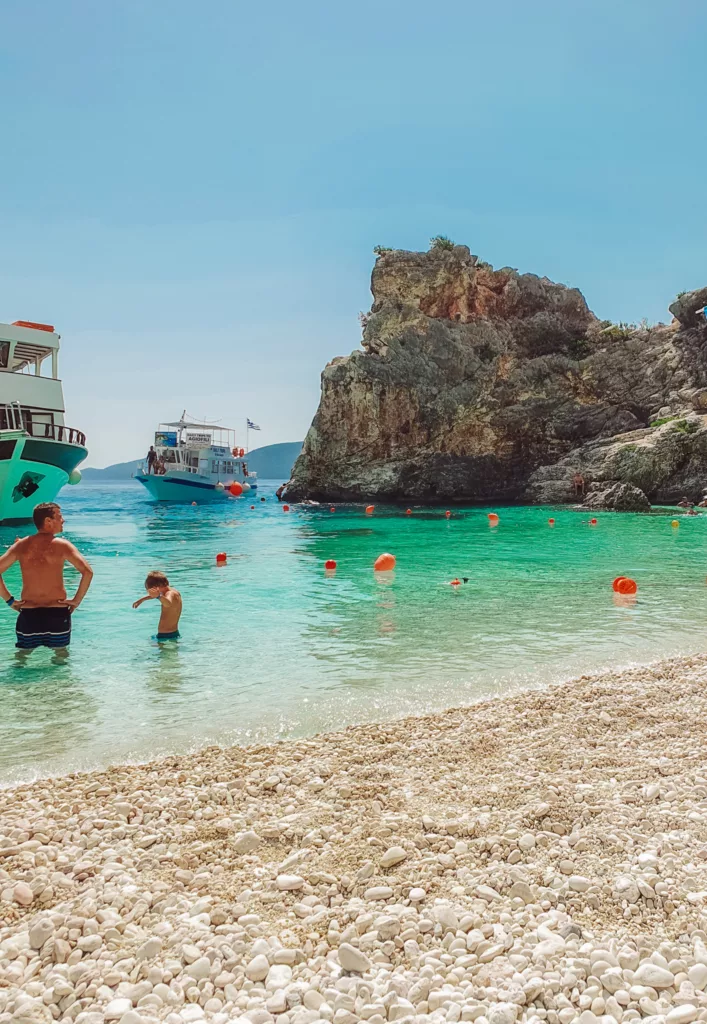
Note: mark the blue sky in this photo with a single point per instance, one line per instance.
(191, 192)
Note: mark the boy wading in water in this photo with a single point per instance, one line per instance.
(45, 611)
(157, 587)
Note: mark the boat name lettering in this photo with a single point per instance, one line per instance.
(198, 438)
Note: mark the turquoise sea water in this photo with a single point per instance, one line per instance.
(274, 646)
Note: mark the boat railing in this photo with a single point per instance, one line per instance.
(52, 432)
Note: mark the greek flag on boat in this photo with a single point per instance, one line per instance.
(252, 426)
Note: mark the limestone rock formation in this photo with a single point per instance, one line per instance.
(482, 384)
(617, 498)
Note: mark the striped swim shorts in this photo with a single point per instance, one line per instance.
(43, 627)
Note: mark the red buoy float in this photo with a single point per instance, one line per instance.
(221, 557)
(384, 562)
(408, 511)
(285, 508)
(236, 489)
(615, 584)
(330, 564)
(370, 509)
(592, 522)
(332, 509)
(493, 519)
(455, 583)
(447, 514)
(627, 586)
(551, 522)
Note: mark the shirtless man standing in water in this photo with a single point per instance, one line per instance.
(44, 609)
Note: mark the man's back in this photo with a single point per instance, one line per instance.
(41, 559)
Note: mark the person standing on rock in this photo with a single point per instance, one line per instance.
(578, 481)
(44, 610)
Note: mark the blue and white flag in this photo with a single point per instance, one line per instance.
(252, 426)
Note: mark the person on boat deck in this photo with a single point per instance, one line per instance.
(160, 468)
(151, 459)
(158, 588)
(44, 610)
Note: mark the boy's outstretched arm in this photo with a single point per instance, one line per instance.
(150, 596)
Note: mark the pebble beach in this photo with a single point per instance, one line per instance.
(535, 857)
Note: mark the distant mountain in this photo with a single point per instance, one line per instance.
(273, 462)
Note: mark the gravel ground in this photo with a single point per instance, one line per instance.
(538, 857)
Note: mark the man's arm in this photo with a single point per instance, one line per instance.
(79, 562)
(8, 559)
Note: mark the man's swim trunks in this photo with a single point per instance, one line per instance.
(167, 636)
(43, 627)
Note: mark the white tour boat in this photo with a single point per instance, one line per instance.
(38, 452)
(195, 462)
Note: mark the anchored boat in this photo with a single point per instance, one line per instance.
(195, 462)
(38, 452)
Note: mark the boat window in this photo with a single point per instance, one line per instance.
(4, 354)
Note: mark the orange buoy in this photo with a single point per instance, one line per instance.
(551, 522)
(330, 564)
(592, 522)
(615, 584)
(369, 509)
(626, 586)
(408, 511)
(493, 518)
(332, 509)
(455, 583)
(384, 563)
(236, 489)
(221, 557)
(285, 508)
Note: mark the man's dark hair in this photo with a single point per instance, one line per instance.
(156, 579)
(44, 511)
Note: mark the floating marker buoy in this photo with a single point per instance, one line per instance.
(369, 509)
(285, 508)
(615, 584)
(221, 557)
(252, 507)
(627, 586)
(384, 563)
(262, 499)
(246, 487)
(592, 522)
(455, 583)
(330, 564)
(493, 519)
(447, 514)
(408, 511)
(332, 509)
(193, 503)
(551, 522)
(236, 489)
(675, 522)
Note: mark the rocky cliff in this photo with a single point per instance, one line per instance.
(482, 384)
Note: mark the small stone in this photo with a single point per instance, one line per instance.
(502, 1013)
(149, 949)
(684, 1014)
(115, 1009)
(395, 855)
(416, 894)
(246, 842)
(190, 953)
(132, 1017)
(257, 969)
(39, 932)
(23, 894)
(352, 959)
(378, 892)
(653, 976)
(199, 969)
(578, 883)
(191, 1013)
(697, 975)
(290, 882)
(279, 976)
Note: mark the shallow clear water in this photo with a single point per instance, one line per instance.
(273, 646)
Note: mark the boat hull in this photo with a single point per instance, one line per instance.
(182, 487)
(33, 471)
